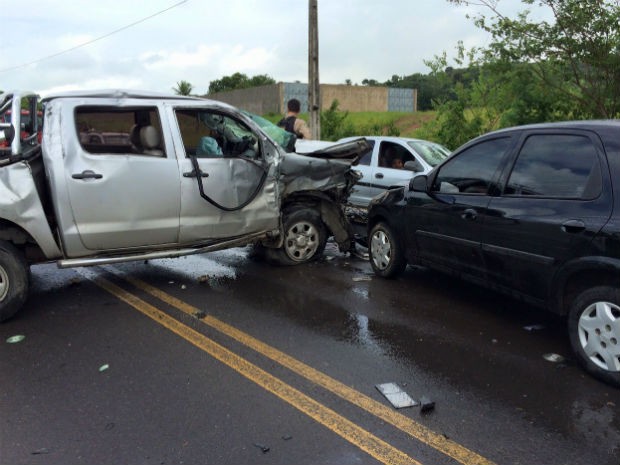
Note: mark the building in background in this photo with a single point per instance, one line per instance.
(272, 98)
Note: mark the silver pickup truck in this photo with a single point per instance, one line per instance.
(115, 176)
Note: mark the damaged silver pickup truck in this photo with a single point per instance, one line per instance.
(115, 176)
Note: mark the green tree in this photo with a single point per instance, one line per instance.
(239, 81)
(183, 88)
(576, 55)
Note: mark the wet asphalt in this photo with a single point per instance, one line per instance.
(218, 359)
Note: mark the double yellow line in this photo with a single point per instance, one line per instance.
(375, 447)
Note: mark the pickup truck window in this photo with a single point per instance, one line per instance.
(107, 130)
(208, 134)
(556, 165)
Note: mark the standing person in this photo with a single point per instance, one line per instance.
(292, 123)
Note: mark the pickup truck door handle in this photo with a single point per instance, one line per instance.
(87, 174)
(573, 226)
(469, 214)
(379, 175)
(192, 174)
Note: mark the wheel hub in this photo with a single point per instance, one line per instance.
(599, 335)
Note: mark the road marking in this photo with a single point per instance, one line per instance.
(369, 443)
(398, 420)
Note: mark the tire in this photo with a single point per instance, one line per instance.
(386, 254)
(304, 238)
(594, 332)
(14, 273)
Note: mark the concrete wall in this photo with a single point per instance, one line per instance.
(273, 98)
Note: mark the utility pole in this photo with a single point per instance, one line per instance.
(314, 97)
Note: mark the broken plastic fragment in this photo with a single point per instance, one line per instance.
(555, 358)
(397, 397)
(533, 327)
(104, 367)
(15, 339)
(426, 405)
(287, 437)
(200, 314)
(265, 449)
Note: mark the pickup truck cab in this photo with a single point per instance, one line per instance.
(126, 175)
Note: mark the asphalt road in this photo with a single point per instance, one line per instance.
(217, 359)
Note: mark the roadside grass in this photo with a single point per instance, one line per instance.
(368, 123)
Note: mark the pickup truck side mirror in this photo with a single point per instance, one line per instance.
(419, 183)
(413, 165)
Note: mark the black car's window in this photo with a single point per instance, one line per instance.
(472, 170)
(556, 165)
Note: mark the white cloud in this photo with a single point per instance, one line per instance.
(203, 40)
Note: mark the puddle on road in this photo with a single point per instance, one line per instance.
(196, 266)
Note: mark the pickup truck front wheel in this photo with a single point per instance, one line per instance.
(594, 332)
(13, 280)
(304, 239)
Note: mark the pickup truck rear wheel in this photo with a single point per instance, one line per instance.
(594, 332)
(13, 280)
(386, 254)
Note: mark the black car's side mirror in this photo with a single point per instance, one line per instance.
(419, 183)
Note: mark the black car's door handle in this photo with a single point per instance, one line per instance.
(379, 175)
(192, 174)
(87, 174)
(469, 214)
(573, 226)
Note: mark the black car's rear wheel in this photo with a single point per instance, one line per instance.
(594, 330)
(386, 254)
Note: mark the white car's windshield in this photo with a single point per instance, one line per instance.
(432, 153)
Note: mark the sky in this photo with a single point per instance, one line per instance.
(50, 46)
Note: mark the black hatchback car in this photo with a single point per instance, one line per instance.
(533, 211)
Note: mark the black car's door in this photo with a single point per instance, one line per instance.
(446, 221)
(552, 204)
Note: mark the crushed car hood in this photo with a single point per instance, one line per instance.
(324, 169)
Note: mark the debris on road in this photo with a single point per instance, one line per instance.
(265, 449)
(15, 339)
(397, 397)
(426, 405)
(554, 358)
(103, 367)
(535, 327)
(200, 314)
(362, 278)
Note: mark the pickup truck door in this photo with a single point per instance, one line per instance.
(120, 196)
(228, 176)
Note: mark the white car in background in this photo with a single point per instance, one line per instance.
(418, 157)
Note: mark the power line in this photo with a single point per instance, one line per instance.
(23, 65)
